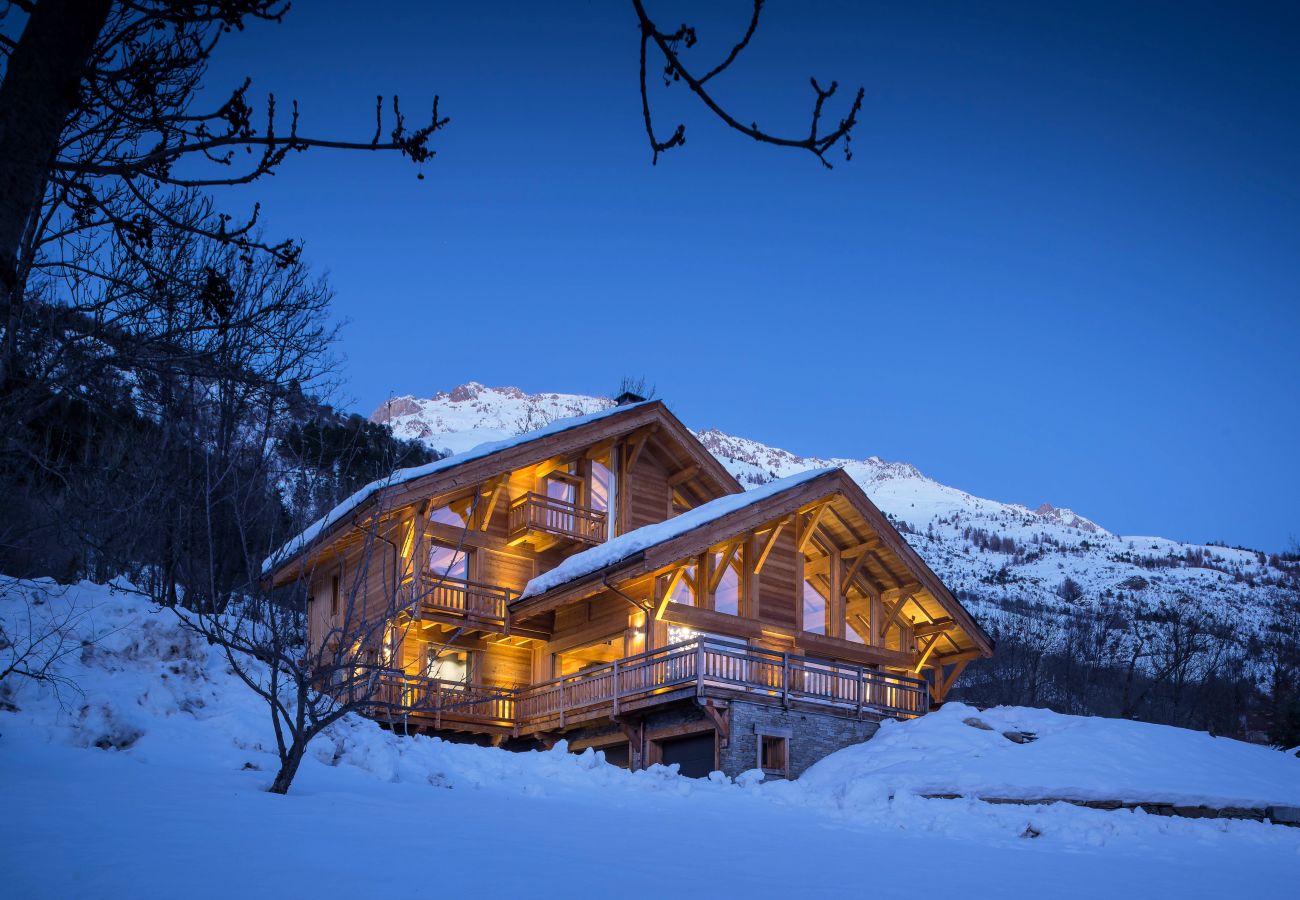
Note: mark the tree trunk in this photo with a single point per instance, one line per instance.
(288, 767)
(39, 90)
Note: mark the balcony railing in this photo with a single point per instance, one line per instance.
(538, 512)
(442, 594)
(396, 694)
(702, 666)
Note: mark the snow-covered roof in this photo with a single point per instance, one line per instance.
(401, 476)
(625, 545)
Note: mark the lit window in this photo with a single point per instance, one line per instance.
(814, 609)
(449, 664)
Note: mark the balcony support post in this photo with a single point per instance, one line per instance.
(785, 679)
(615, 688)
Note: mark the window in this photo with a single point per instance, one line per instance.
(680, 588)
(774, 754)
(604, 492)
(449, 664)
(334, 595)
(856, 624)
(726, 599)
(454, 514)
(562, 484)
(814, 609)
(450, 562)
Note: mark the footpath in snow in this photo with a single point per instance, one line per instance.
(148, 779)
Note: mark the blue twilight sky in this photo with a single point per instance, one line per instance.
(1062, 266)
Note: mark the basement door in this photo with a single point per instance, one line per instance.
(694, 753)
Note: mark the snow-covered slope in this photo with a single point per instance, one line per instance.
(996, 556)
(143, 775)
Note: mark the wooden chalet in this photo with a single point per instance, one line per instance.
(605, 580)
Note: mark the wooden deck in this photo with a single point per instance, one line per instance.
(703, 667)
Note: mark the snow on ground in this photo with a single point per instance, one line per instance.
(149, 781)
(1073, 757)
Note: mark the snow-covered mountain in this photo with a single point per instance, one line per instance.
(996, 556)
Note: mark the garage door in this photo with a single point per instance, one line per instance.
(694, 754)
(616, 755)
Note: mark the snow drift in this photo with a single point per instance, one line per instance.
(149, 757)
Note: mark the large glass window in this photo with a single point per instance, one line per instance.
(449, 664)
(448, 561)
(562, 484)
(814, 609)
(682, 588)
(455, 514)
(726, 599)
(603, 491)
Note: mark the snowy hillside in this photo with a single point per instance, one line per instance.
(996, 556)
(142, 773)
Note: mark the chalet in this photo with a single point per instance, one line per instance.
(606, 581)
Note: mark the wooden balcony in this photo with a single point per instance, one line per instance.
(442, 595)
(443, 704)
(534, 514)
(703, 667)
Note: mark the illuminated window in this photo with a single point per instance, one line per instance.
(448, 561)
(814, 609)
(726, 599)
(449, 664)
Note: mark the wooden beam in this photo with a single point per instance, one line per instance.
(768, 545)
(498, 486)
(636, 443)
(815, 518)
(682, 475)
(721, 718)
(925, 653)
(668, 591)
(852, 569)
(720, 568)
(943, 684)
(934, 627)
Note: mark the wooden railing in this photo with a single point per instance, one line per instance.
(445, 595)
(398, 694)
(538, 512)
(698, 665)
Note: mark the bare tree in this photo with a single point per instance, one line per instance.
(35, 638)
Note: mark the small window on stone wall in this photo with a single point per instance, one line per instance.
(774, 755)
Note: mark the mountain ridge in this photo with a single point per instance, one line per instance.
(998, 557)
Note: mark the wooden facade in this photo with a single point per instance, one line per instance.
(804, 597)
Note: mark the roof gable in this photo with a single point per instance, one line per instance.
(492, 458)
(648, 548)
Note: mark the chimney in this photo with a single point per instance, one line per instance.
(627, 398)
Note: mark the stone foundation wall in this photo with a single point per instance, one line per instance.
(811, 735)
